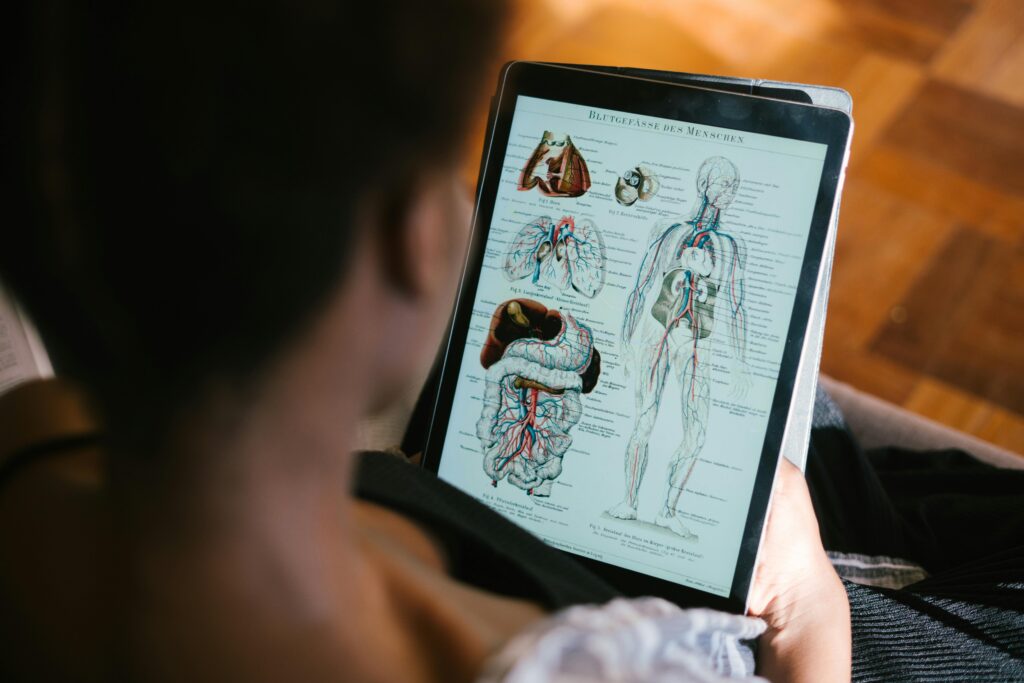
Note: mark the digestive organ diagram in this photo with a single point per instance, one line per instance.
(539, 361)
(567, 254)
(690, 272)
(556, 168)
(638, 182)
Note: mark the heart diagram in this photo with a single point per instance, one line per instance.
(556, 168)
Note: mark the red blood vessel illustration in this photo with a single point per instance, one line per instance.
(568, 254)
(556, 168)
(538, 362)
(692, 270)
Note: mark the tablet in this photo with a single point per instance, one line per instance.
(622, 358)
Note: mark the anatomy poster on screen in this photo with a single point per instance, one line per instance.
(627, 332)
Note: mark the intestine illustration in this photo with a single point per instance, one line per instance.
(538, 362)
(556, 168)
(567, 254)
(638, 182)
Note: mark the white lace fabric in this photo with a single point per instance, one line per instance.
(630, 640)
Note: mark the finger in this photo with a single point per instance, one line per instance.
(789, 475)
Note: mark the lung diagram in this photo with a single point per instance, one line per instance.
(567, 254)
(539, 361)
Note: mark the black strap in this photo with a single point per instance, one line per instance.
(18, 459)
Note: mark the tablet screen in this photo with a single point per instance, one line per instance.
(627, 331)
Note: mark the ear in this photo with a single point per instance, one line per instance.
(418, 238)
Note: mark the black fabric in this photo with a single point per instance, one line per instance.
(960, 519)
(963, 521)
(941, 509)
(907, 636)
(483, 548)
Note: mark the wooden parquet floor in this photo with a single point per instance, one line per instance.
(927, 302)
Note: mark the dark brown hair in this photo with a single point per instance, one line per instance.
(182, 176)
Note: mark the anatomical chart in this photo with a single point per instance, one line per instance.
(556, 168)
(567, 254)
(638, 183)
(538, 363)
(688, 269)
(626, 334)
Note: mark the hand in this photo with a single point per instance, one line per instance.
(798, 593)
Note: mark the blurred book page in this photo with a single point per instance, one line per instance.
(22, 356)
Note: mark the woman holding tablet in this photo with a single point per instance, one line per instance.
(306, 235)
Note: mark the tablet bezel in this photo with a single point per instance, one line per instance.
(688, 104)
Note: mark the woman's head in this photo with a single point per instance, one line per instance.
(196, 182)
